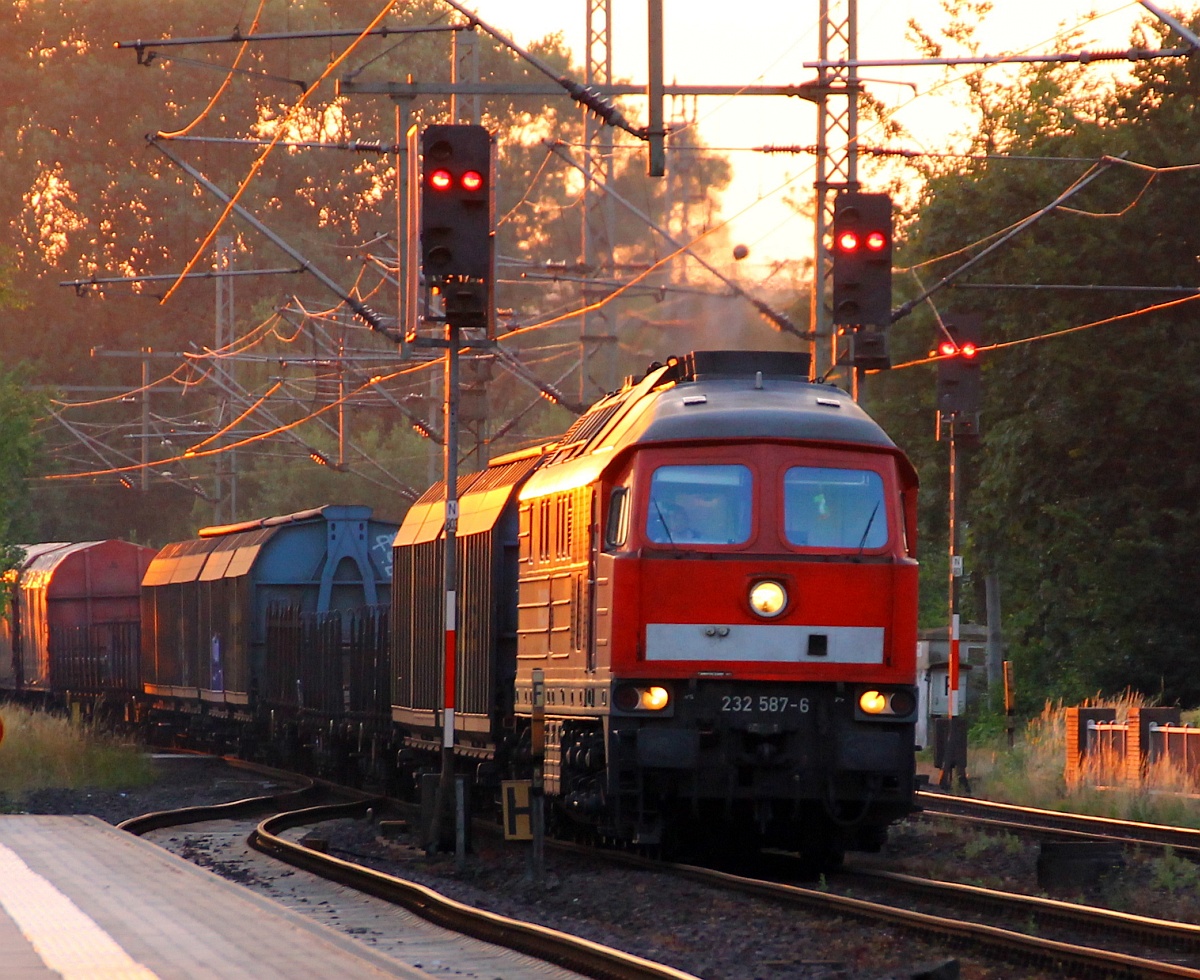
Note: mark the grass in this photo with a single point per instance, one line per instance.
(41, 750)
(1032, 774)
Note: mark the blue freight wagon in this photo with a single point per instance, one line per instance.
(207, 603)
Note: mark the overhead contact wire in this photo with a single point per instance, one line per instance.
(224, 85)
(261, 160)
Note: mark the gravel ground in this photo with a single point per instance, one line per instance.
(706, 932)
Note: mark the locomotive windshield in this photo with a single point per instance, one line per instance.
(700, 504)
(834, 508)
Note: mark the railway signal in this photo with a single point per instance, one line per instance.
(862, 259)
(869, 349)
(958, 396)
(958, 381)
(456, 255)
(456, 203)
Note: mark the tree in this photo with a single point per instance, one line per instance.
(18, 454)
(1081, 496)
(90, 198)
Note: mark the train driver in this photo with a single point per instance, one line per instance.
(699, 505)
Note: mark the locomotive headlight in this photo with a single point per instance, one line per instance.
(641, 697)
(903, 703)
(890, 705)
(872, 702)
(768, 599)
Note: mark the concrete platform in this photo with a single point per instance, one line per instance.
(82, 900)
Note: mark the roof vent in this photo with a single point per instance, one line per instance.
(702, 365)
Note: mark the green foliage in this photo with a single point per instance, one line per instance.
(988, 720)
(18, 453)
(1082, 496)
(976, 846)
(1174, 874)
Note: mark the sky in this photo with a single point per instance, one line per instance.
(766, 42)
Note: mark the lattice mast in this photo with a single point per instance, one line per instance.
(837, 159)
(597, 337)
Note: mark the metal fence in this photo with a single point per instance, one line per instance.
(1101, 748)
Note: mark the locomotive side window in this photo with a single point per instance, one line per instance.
(617, 530)
(834, 508)
(700, 504)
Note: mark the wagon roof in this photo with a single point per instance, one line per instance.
(109, 562)
(328, 512)
(231, 550)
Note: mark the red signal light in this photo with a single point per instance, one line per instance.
(876, 241)
(472, 180)
(440, 180)
(848, 241)
(967, 351)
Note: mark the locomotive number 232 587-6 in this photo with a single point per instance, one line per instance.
(768, 704)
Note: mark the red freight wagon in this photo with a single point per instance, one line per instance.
(74, 622)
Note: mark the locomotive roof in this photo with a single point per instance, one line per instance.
(749, 408)
(710, 395)
(724, 395)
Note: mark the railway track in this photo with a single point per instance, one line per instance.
(1157, 942)
(1173, 946)
(548, 945)
(571, 952)
(1037, 931)
(1072, 826)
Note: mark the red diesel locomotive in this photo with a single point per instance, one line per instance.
(715, 571)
